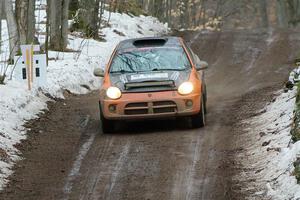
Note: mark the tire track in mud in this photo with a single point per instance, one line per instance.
(81, 155)
(119, 166)
(93, 194)
(93, 180)
(192, 169)
(183, 178)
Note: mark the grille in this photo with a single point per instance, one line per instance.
(134, 105)
(145, 108)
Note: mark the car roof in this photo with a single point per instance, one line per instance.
(149, 42)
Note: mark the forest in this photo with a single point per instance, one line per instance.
(86, 17)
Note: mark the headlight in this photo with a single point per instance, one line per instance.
(113, 93)
(186, 88)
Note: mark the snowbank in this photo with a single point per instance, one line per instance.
(67, 71)
(270, 151)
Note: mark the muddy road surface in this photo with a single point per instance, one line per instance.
(67, 157)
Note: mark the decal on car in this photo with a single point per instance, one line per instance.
(175, 76)
(123, 78)
(148, 76)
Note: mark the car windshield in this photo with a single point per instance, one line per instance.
(150, 59)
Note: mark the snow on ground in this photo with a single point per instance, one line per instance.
(270, 151)
(67, 71)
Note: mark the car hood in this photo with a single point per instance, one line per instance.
(149, 81)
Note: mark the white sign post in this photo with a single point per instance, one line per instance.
(30, 67)
(27, 54)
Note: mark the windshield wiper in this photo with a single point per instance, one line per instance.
(156, 69)
(122, 72)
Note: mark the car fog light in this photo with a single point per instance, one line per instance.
(189, 103)
(186, 88)
(113, 93)
(112, 108)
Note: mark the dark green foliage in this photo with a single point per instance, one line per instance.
(73, 8)
(296, 129)
(298, 95)
(297, 170)
(78, 25)
(130, 7)
(82, 14)
(2, 78)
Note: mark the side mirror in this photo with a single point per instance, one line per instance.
(99, 72)
(201, 65)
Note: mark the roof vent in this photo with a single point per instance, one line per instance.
(149, 42)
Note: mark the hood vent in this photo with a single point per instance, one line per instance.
(140, 43)
(134, 85)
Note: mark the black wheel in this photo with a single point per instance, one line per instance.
(205, 99)
(198, 120)
(108, 126)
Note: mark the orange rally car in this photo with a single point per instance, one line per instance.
(152, 78)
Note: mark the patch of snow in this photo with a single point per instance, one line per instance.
(17, 105)
(71, 71)
(270, 151)
(271, 38)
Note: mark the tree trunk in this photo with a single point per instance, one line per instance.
(298, 11)
(31, 39)
(114, 5)
(194, 13)
(12, 29)
(186, 14)
(25, 18)
(170, 13)
(21, 18)
(101, 15)
(109, 10)
(263, 13)
(47, 32)
(58, 23)
(294, 12)
(64, 24)
(282, 13)
(204, 13)
(54, 23)
(95, 20)
(1, 14)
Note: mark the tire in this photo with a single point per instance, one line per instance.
(107, 126)
(205, 99)
(198, 120)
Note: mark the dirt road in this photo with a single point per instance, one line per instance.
(66, 156)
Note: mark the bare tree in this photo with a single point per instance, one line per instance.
(58, 23)
(64, 24)
(25, 18)
(31, 23)
(183, 10)
(12, 28)
(1, 15)
(109, 10)
(95, 20)
(294, 12)
(263, 13)
(282, 17)
(22, 19)
(53, 15)
(233, 13)
(47, 33)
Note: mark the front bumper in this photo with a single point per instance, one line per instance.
(154, 105)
